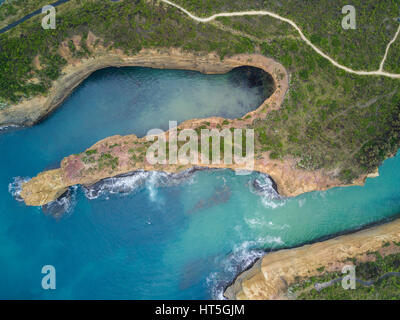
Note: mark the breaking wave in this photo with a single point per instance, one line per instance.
(239, 260)
(8, 128)
(130, 183)
(265, 187)
(56, 208)
(63, 205)
(124, 184)
(260, 222)
(15, 187)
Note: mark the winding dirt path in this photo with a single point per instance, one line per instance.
(378, 72)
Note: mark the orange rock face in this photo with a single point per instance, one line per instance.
(271, 276)
(77, 169)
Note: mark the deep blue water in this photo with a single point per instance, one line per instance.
(170, 237)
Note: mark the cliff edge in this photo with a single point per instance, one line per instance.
(271, 275)
(118, 155)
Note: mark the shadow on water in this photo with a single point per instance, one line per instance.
(220, 195)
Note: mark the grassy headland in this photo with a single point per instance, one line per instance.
(330, 119)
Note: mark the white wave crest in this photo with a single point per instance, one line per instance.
(63, 205)
(260, 222)
(15, 187)
(8, 128)
(127, 184)
(241, 258)
(116, 185)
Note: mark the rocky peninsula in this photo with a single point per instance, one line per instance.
(332, 109)
(270, 276)
(118, 155)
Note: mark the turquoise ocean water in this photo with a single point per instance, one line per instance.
(153, 235)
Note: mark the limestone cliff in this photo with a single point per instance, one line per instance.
(270, 276)
(30, 111)
(79, 169)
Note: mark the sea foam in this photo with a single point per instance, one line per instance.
(63, 205)
(130, 183)
(264, 186)
(15, 187)
(240, 259)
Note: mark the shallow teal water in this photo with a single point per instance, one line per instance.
(152, 235)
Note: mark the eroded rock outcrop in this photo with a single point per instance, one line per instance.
(270, 276)
(91, 166)
(114, 156)
(30, 111)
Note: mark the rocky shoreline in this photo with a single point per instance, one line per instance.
(272, 275)
(49, 185)
(31, 111)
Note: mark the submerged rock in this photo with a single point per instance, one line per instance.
(221, 195)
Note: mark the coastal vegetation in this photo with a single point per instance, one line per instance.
(12, 10)
(320, 21)
(383, 288)
(330, 119)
